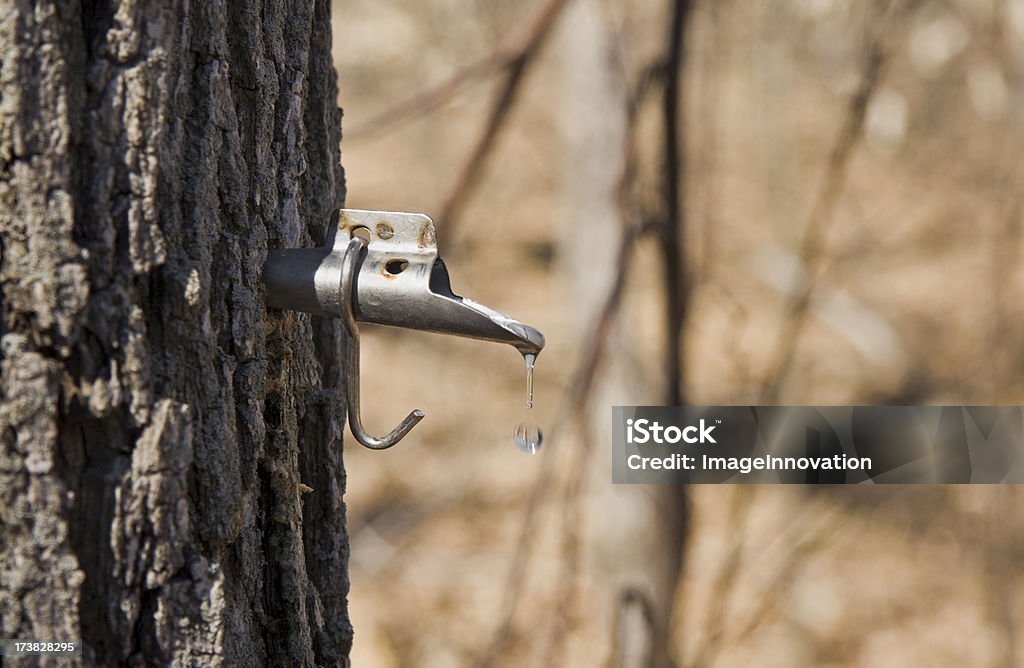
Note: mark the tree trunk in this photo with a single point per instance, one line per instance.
(159, 429)
(637, 551)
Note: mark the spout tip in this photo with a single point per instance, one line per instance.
(530, 340)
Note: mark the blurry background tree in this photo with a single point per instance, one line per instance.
(850, 225)
(170, 453)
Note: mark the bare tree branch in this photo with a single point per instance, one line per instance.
(429, 98)
(721, 592)
(672, 238)
(516, 68)
(885, 15)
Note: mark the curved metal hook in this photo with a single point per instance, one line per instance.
(349, 267)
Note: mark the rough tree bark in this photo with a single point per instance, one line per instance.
(160, 430)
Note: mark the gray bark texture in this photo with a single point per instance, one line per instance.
(171, 476)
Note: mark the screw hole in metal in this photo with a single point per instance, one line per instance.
(395, 267)
(362, 233)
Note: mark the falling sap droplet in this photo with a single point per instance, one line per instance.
(529, 438)
(528, 435)
(530, 360)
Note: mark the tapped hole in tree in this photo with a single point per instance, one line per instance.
(395, 267)
(361, 232)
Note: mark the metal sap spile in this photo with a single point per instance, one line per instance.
(389, 263)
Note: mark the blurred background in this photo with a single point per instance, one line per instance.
(716, 202)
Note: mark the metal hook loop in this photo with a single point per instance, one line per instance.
(349, 267)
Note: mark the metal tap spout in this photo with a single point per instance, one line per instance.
(383, 267)
(400, 282)
(445, 312)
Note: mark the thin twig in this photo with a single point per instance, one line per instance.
(516, 68)
(725, 581)
(716, 52)
(571, 531)
(428, 99)
(803, 545)
(812, 540)
(822, 213)
(434, 95)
